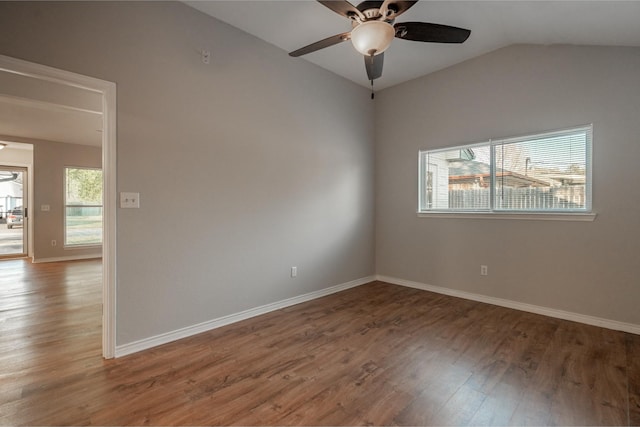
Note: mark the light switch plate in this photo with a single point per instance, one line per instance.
(129, 200)
(45, 208)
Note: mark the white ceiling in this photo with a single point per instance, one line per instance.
(493, 24)
(37, 109)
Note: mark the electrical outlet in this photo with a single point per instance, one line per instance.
(53, 243)
(294, 271)
(484, 270)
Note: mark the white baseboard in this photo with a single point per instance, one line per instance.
(65, 258)
(144, 344)
(551, 312)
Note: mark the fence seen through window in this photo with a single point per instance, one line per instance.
(548, 172)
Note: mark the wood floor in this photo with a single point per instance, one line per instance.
(377, 354)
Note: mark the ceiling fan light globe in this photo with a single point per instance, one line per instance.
(372, 37)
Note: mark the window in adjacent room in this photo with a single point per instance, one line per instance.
(546, 172)
(83, 207)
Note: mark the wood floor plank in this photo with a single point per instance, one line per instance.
(533, 409)
(376, 354)
(585, 374)
(633, 363)
(439, 382)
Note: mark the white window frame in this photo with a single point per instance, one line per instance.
(80, 246)
(582, 214)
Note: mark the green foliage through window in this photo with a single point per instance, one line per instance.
(83, 207)
(84, 186)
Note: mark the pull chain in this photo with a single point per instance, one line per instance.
(373, 96)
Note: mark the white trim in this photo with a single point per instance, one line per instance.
(108, 91)
(109, 221)
(82, 247)
(65, 258)
(50, 74)
(146, 343)
(28, 189)
(30, 192)
(543, 216)
(44, 105)
(545, 311)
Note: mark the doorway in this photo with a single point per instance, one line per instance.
(14, 212)
(107, 95)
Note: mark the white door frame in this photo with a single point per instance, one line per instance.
(26, 205)
(29, 168)
(108, 92)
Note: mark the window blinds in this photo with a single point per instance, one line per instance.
(546, 172)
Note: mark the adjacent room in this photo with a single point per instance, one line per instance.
(319, 213)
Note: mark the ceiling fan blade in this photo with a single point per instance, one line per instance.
(373, 64)
(435, 33)
(344, 8)
(329, 41)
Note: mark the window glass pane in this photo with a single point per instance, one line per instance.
(545, 173)
(84, 225)
(83, 210)
(458, 179)
(84, 186)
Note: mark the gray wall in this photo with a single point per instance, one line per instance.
(259, 162)
(49, 162)
(46, 161)
(245, 167)
(583, 267)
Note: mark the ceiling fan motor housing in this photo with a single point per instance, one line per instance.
(371, 10)
(370, 5)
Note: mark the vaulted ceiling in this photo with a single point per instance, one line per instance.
(47, 110)
(494, 24)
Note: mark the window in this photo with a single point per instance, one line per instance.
(549, 172)
(83, 207)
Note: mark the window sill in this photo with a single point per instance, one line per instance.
(542, 216)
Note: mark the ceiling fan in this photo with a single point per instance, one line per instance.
(374, 29)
